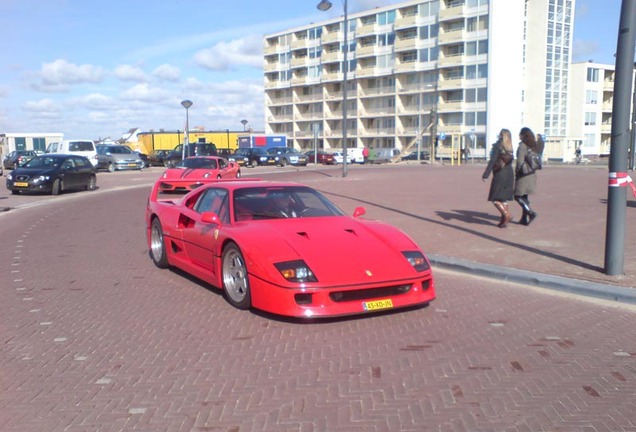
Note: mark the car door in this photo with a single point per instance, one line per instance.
(199, 237)
(69, 173)
(84, 170)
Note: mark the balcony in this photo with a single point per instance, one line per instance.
(406, 44)
(451, 84)
(332, 37)
(451, 37)
(299, 44)
(365, 30)
(366, 51)
(453, 60)
(406, 22)
(332, 57)
(452, 13)
(299, 62)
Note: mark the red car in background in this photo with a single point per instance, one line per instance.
(323, 157)
(286, 249)
(194, 171)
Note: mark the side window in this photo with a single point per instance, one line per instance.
(222, 163)
(214, 200)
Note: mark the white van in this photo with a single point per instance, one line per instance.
(355, 155)
(77, 147)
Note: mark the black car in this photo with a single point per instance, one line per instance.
(157, 157)
(413, 155)
(17, 158)
(256, 156)
(53, 173)
(198, 149)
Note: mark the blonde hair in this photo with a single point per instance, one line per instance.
(506, 139)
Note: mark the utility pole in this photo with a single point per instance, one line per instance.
(618, 178)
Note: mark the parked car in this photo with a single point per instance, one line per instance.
(80, 147)
(286, 249)
(413, 155)
(117, 157)
(256, 156)
(17, 158)
(144, 158)
(385, 155)
(337, 157)
(288, 156)
(197, 149)
(239, 158)
(323, 157)
(53, 173)
(156, 157)
(192, 172)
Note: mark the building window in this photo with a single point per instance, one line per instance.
(592, 75)
(386, 39)
(385, 18)
(590, 119)
(429, 9)
(591, 97)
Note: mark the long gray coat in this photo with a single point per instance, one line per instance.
(525, 185)
(502, 184)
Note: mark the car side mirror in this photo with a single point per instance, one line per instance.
(359, 211)
(210, 218)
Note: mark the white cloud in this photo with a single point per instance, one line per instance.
(97, 101)
(247, 51)
(62, 72)
(145, 93)
(130, 73)
(167, 72)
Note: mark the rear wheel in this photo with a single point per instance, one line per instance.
(236, 284)
(111, 167)
(56, 188)
(283, 162)
(157, 245)
(254, 163)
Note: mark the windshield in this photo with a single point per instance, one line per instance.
(43, 162)
(197, 163)
(281, 202)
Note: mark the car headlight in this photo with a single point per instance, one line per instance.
(9, 176)
(296, 271)
(417, 260)
(40, 179)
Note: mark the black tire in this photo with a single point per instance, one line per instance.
(158, 245)
(56, 188)
(283, 162)
(254, 163)
(111, 167)
(92, 183)
(15, 192)
(236, 284)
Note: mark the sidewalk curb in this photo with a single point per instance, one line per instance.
(558, 283)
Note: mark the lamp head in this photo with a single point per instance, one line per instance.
(324, 5)
(186, 103)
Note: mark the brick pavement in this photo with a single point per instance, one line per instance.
(119, 345)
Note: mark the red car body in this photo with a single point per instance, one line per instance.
(194, 171)
(323, 157)
(285, 249)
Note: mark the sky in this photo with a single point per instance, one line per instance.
(94, 69)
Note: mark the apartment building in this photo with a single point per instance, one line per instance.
(440, 74)
(591, 103)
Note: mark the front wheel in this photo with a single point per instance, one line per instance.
(111, 168)
(157, 245)
(56, 188)
(236, 284)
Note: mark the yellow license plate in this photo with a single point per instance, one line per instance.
(132, 165)
(377, 305)
(21, 184)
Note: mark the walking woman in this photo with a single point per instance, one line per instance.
(502, 184)
(525, 180)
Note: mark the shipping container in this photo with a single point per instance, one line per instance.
(262, 141)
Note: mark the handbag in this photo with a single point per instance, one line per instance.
(504, 159)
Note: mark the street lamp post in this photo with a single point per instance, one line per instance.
(244, 123)
(186, 140)
(325, 5)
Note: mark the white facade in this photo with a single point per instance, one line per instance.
(479, 65)
(591, 103)
(27, 141)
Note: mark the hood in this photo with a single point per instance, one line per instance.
(33, 172)
(339, 250)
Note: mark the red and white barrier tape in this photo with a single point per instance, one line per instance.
(621, 179)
